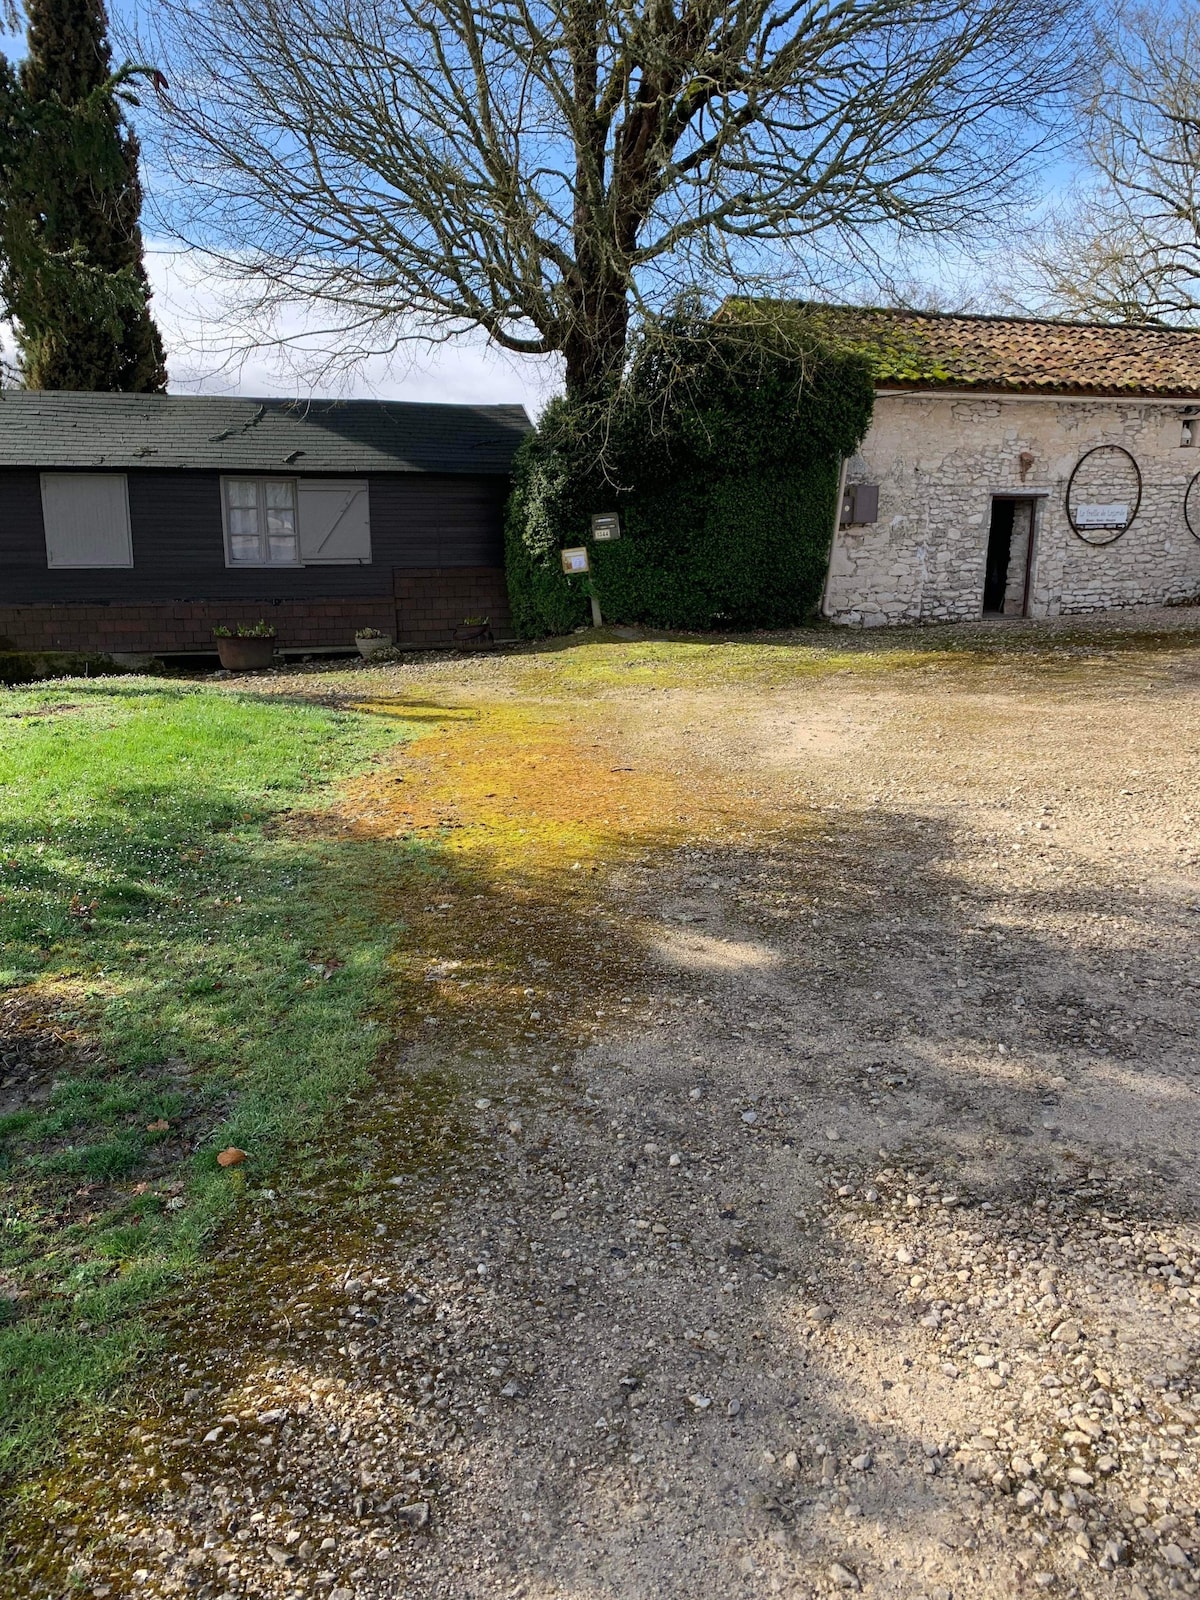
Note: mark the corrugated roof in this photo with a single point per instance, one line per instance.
(71, 429)
(1024, 355)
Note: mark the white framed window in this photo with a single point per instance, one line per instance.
(260, 522)
(86, 519)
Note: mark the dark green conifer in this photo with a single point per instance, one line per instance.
(74, 281)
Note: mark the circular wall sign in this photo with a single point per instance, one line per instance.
(1191, 506)
(1104, 492)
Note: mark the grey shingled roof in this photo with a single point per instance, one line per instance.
(70, 429)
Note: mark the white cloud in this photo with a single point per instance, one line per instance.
(207, 353)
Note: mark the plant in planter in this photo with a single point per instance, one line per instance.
(370, 641)
(246, 648)
(474, 630)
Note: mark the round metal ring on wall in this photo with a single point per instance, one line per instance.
(1112, 532)
(1187, 505)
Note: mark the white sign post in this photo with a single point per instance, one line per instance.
(575, 563)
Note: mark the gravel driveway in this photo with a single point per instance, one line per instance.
(780, 1177)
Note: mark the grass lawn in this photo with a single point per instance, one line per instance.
(180, 972)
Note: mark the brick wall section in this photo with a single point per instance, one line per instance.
(163, 627)
(432, 602)
(427, 606)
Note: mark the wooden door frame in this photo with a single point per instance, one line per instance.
(1032, 500)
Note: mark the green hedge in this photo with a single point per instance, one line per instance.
(721, 455)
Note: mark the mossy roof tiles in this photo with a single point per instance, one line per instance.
(1023, 355)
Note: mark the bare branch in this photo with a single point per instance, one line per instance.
(1126, 248)
(541, 169)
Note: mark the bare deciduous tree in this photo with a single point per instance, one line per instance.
(541, 169)
(1127, 246)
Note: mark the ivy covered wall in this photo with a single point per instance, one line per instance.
(721, 454)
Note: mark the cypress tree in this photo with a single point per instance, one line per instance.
(74, 280)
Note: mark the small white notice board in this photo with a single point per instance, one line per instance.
(1102, 514)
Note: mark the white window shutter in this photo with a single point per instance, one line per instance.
(86, 518)
(335, 520)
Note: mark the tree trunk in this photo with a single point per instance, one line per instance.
(594, 347)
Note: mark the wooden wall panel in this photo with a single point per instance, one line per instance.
(417, 520)
(430, 521)
(22, 538)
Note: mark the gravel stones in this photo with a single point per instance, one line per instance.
(1067, 1332)
(664, 1222)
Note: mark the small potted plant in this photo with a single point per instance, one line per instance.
(246, 648)
(474, 630)
(370, 641)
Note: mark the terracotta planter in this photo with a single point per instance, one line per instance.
(370, 647)
(246, 655)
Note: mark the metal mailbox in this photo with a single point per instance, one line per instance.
(860, 504)
(606, 526)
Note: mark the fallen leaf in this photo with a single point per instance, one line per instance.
(233, 1157)
(160, 1126)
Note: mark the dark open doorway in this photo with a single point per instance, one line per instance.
(1009, 558)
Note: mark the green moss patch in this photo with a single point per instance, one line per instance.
(185, 971)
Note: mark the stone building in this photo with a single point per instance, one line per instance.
(1016, 467)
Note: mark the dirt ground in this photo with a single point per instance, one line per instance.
(780, 1176)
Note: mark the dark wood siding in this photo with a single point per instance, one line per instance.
(417, 520)
(430, 521)
(22, 537)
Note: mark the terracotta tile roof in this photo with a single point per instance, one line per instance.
(922, 350)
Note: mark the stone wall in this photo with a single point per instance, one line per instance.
(938, 460)
(1014, 588)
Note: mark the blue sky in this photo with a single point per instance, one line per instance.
(204, 354)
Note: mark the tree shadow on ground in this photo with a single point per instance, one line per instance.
(535, 1009)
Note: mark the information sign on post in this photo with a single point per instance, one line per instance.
(575, 563)
(606, 525)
